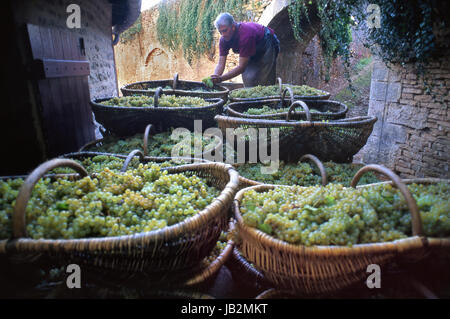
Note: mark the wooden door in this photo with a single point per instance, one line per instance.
(61, 70)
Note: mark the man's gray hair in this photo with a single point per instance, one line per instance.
(224, 19)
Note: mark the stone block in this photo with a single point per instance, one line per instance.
(380, 72)
(407, 96)
(409, 116)
(395, 75)
(394, 91)
(378, 91)
(412, 90)
(392, 134)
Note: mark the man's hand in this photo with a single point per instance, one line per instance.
(216, 78)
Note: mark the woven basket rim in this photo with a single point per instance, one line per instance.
(234, 113)
(283, 123)
(324, 96)
(318, 249)
(94, 143)
(216, 102)
(253, 182)
(221, 91)
(214, 267)
(164, 234)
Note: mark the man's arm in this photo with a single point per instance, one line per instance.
(243, 61)
(220, 65)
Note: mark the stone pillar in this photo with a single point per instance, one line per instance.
(411, 135)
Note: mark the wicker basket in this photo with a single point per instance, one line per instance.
(174, 248)
(324, 96)
(179, 88)
(246, 182)
(335, 141)
(127, 121)
(338, 110)
(323, 269)
(327, 110)
(149, 129)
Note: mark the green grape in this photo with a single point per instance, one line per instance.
(108, 203)
(304, 174)
(208, 82)
(274, 90)
(267, 110)
(336, 215)
(159, 145)
(164, 101)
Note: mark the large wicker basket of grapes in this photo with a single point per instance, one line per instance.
(337, 140)
(318, 240)
(176, 87)
(163, 144)
(163, 220)
(129, 115)
(261, 92)
(273, 109)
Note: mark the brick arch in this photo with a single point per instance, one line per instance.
(291, 50)
(152, 55)
(156, 64)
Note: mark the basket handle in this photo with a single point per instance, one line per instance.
(158, 93)
(130, 156)
(175, 81)
(148, 129)
(18, 218)
(319, 164)
(292, 109)
(291, 93)
(412, 205)
(280, 85)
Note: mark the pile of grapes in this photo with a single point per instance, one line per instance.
(336, 215)
(98, 163)
(159, 145)
(304, 174)
(109, 203)
(274, 90)
(218, 249)
(266, 110)
(164, 101)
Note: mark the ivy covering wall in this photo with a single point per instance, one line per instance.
(189, 24)
(398, 31)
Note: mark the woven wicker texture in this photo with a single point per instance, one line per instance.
(324, 96)
(324, 269)
(127, 121)
(93, 146)
(174, 248)
(179, 88)
(326, 110)
(335, 141)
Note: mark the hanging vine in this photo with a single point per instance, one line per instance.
(406, 33)
(189, 24)
(335, 31)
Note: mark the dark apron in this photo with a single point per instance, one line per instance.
(261, 68)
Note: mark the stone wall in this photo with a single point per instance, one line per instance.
(412, 133)
(95, 30)
(143, 58)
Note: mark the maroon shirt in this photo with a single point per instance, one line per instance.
(244, 40)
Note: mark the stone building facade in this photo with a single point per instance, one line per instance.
(95, 31)
(412, 134)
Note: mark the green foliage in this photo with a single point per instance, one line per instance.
(335, 31)
(189, 24)
(406, 33)
(131, 32)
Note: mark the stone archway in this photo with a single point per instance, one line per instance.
(154, 64)
(276, 16)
